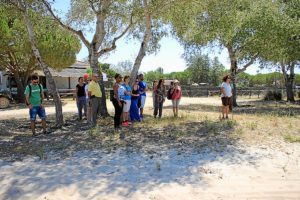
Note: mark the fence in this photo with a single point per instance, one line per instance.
(202, 91)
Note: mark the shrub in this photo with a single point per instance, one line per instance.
(273, 95)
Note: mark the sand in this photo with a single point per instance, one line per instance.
(239, 172)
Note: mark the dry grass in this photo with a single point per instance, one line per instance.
(198, 128)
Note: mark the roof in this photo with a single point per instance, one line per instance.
(76, 70)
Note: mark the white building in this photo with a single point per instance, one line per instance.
(65, 79)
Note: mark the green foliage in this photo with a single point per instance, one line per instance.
(153, 75)
(204, 70)
(57, 47)
(106, 68)
(123, 67)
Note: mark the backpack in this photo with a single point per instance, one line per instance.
(40, 87)
(169, 94)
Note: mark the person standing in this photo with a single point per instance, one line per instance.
(87, 100)
(154, 86)
(134, 109)
(127, 101)
(34, 97)
(118, 101)
(160, 94)
(95, 94)
(80, 97)
(176, 96)
(226, 94)
(143, 89)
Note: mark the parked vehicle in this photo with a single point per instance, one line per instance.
(5, 99)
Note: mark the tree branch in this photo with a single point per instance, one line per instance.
(113, 45)
(93, 7)
(77, 32)
(248, 64)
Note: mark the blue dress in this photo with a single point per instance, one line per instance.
(134, 110)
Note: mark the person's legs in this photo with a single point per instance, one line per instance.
(177, 106)
(94, 105)
(79, 106)
(83, 100)
(32, 113)
(156, 105)
(42, 114)
(143, 101)
(160, 108)
(88, 112)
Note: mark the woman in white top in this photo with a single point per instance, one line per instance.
(226, 94)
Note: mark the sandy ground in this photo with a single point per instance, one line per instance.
(69, 106)
(238, 172)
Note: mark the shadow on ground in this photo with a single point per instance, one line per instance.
(96, 162)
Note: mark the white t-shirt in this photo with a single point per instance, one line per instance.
(227, 89)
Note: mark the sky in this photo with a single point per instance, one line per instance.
(169, 56)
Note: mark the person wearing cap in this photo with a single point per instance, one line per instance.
(143, 89)
(176, 96)
(95, 94)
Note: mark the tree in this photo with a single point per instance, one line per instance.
(112, 21)
(23, 7)
(283, 35)
(160, 70)
(124, 67)
(226, 24)
(199, 67)
(204, 70)
(216, 72)
(56, 45)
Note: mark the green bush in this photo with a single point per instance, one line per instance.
(273, 95)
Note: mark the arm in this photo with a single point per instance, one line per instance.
(223, 91)
(76, 92)
(116, 96)
(28, 102)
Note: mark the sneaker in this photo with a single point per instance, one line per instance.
(129, 123)
(34, 134)
(124, 123)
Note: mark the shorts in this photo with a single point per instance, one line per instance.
(37, 110)
(226, 101)
(175, 103)
(143, 100)
(126, 106)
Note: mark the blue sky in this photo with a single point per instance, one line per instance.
(169, 56)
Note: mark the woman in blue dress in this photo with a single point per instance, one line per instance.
(134, 109)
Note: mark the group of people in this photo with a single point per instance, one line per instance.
(160, 93)
(128, 102)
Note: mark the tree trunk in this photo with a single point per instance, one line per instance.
(289, 82)
(93, 60)
(233, 73)
(20, 87)
(144, 45)
(43, 66)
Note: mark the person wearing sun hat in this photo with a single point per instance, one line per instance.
(176, 96)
